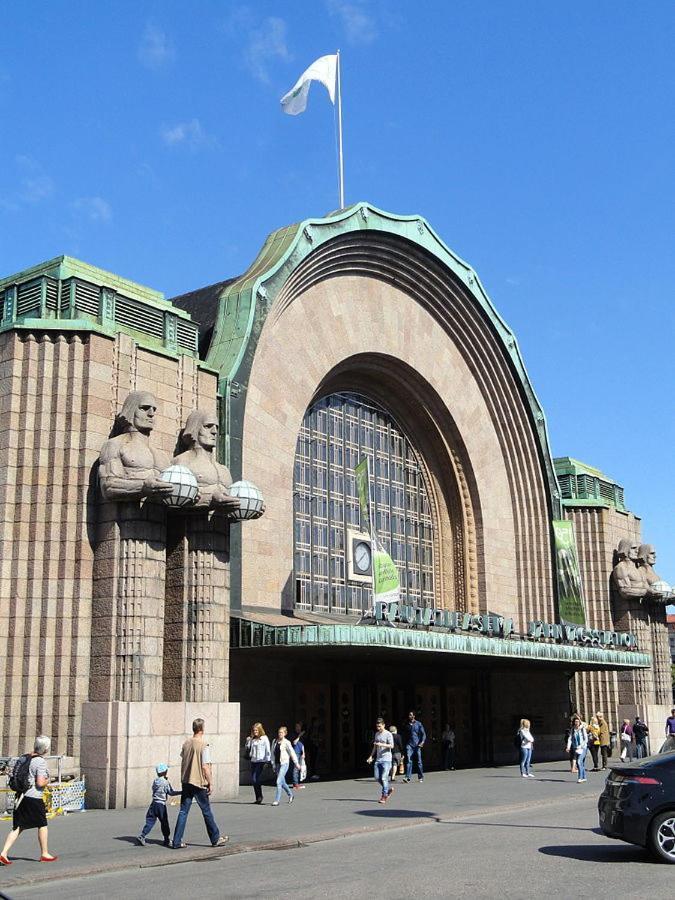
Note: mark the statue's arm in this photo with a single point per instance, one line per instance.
(221, 498)
(627, 588)
(117, 485)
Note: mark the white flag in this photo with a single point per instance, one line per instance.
(323, 70)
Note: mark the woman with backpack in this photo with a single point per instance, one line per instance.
(526, 744)
(28, 779)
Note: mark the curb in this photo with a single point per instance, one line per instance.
(175, 858)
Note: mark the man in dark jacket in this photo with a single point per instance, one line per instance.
(415, 738)
(640, 731)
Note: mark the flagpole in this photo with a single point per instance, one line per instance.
(341, 168)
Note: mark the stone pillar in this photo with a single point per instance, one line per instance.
(661, 661)
(128, 604)
(636, 686)
(196, 618)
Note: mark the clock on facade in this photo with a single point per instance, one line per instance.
(363, 557)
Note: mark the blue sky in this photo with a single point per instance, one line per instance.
(536, 137)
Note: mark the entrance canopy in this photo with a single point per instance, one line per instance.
(246, 634)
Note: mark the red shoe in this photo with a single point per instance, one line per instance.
(48, 858)
(4, 861)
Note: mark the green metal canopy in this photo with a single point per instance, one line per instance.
(248, 634)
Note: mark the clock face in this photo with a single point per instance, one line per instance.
(362, 557)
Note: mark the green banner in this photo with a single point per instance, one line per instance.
(362, 475)
(385, 574)
(570, 596)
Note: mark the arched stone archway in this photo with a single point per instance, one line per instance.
(367, 285)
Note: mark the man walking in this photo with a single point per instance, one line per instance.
(640, 731)
(196, 782)
(415, 738)
(383, 745)
(603, 728)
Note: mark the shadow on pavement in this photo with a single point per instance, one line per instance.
(397, 813)
(442, 821)
(612, 853)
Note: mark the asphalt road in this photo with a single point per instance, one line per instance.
(552, 851)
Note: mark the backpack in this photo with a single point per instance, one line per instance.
(517, 740)
(18, 776)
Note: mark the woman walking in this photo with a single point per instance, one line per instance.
(626, 741)
(29, 808)
(526, 744)
(282, 754)
(258, 752)
(593, 733)
(578, 744)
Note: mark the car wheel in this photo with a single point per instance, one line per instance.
(662, 836)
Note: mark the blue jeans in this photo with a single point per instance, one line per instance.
(190, 793)
(382, 770)
(525, 760)
(581, 760)
(257, 769)
(411, 751)
(157, 811)
(281, 783)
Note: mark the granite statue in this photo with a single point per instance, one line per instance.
(129, 467)
(199, 439)
(629, 580)
(659, 590)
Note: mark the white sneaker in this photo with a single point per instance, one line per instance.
(275, 803)
(530, 775)
(523, 775)
(291, 798)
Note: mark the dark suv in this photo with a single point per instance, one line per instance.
(638, 805)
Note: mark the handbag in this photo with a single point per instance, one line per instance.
(401, 768)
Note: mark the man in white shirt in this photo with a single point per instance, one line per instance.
(383, 745)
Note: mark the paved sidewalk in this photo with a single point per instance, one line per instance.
(103, 841)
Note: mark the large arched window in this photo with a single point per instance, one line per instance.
(337, 432)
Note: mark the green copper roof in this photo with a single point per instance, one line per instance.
(63, 267)
(584, 485)
(65, 294)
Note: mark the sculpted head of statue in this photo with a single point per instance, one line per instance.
(201, 429)
(647, 554)
(628, 549)
(137, 414)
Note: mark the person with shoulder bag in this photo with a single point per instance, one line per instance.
(626, 741)
(526, 745)
(257, 751)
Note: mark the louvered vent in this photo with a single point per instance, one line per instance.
(586, 486)
(136, 315)
(2, 305)
(52, 293)
(565, 482)
(186, 335)
(28, 298)
(619, 498)
(87, 297)
(607, 491)
(65, 294)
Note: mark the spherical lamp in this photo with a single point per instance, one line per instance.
(251, 502)
(185, 487)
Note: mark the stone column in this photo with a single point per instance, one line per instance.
(196, 617)
(128, 602)
(661, 661)
(636, 686)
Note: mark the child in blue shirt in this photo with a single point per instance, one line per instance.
(161, 789)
